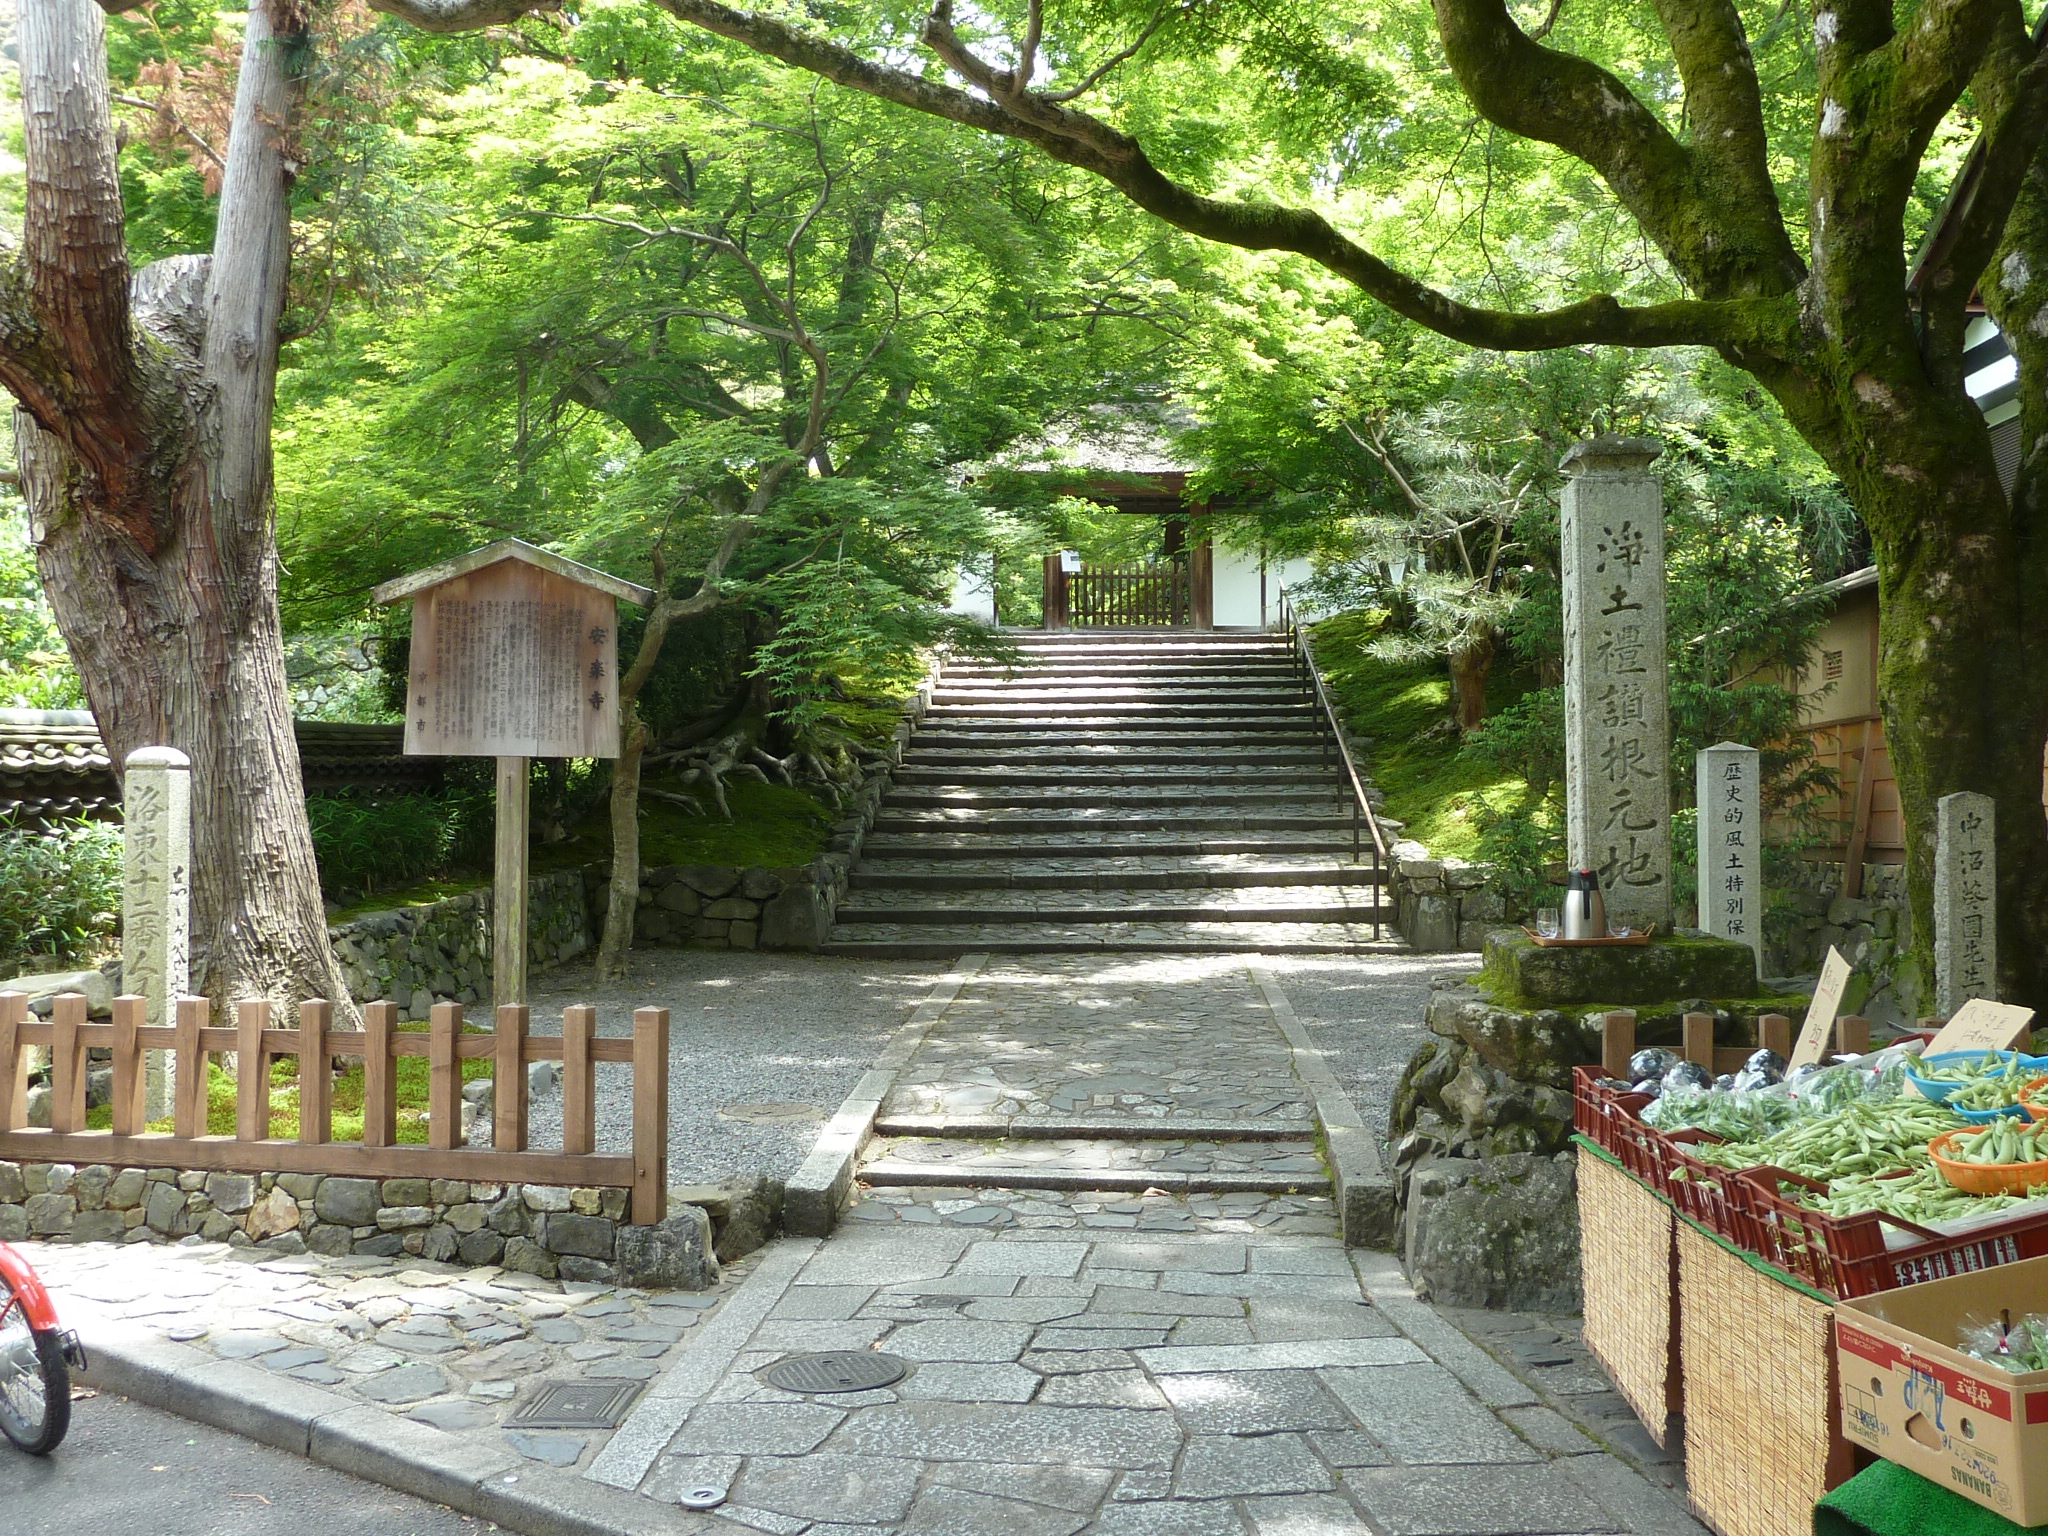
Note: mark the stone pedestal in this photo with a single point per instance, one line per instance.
(1617, 974)
(156, 897)
(1731, 844)
(1965, 901)
(1617, 714)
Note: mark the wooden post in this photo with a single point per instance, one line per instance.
(316, 1073)
(444, 1077)
(1774, 1033)
(1617, 1042)
(1202, 585)
(650, 1115)
(188, 1114)
(1852, 1036)
(1699, 1040)
(508, 891)
(579, 1086)
(380, 1089)
(252, 1071)
(1859, 822)
(508, 1093)
(67, 1063)
(13, 1062)
(1055, 601)
(130, 1014)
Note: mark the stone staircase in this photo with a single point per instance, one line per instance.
(1139, 790)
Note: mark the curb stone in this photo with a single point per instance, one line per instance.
(1364, 1193)
(367, 1442)
(814, 1196)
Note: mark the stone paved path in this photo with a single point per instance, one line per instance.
(1118, 1384)
(459, 1349)
(1128, 1040)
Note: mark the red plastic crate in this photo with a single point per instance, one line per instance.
(1715, 1197)
(1845, 1256)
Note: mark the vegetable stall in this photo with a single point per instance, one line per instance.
(1805, 1270)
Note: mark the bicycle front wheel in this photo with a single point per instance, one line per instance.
(35, 1382)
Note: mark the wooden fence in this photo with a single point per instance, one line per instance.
(67, 1035)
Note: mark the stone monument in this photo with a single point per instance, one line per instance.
(1617, 713)
(1965, 901)
(1731, 844)
(156, 897)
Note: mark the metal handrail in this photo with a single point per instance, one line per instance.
(1362, 818)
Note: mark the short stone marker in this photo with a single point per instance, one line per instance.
(1616, 686)
(156, 897)
(1965, 901)
(1731, 844)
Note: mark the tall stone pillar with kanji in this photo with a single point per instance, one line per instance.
(1616, 684)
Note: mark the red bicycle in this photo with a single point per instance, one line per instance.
(36, 1357)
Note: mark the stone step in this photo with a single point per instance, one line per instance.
(1092, 706)
(1250, 904)
(953, 844)
(1222, 671)
(1286, 1123)
(917, 941)
(1157, 872)
(1162, 745)
(1005, 754)
(1230, 681)
(1025, 770)
(1113, 795)
(1297, 725)
(1098, 698)
(1175, 1166)
(1003, 821)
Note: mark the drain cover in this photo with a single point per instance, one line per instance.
(710, 1496)
(838, 1370)
(576, 1405)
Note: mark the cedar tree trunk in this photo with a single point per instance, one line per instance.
(143, 426)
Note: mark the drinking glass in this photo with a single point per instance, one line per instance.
(1546, 922)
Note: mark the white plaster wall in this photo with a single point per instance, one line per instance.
(1237, 588)
(974, 595)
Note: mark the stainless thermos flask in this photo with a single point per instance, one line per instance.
(1585, 910)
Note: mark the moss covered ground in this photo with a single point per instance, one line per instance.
(1440, 791)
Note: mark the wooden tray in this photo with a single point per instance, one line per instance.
(1633, 936)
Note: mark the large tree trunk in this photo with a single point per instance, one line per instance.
(144, 437)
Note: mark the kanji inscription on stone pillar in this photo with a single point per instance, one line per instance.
(1731, 844)
(156, 897)
(1617, 716)
(1965, 901)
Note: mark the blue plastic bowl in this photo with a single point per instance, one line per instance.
(1939, 1091)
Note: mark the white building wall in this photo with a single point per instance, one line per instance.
(974, 595)
(1240, 601)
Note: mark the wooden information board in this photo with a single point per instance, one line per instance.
(1819, 1027)
(513, 661)
(515, 655)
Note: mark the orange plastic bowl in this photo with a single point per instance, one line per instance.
(1985, 1178)
(2028, 1102)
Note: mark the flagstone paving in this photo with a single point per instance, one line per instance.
(1144, 1038)
(1118, 1384)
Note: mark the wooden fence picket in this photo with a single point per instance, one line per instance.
(510, 1049)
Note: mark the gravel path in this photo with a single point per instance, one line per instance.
(762, 1048)
(1366, 1012)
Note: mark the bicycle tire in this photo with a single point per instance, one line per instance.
(36, 1427)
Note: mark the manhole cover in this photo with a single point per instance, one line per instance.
(576, 1405)
(838, 1370)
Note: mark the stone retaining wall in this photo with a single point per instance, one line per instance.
(441, 952)
(1442, 904)
(1874, 932)
(554, 1233)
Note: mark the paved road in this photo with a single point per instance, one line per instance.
(128, 1468)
